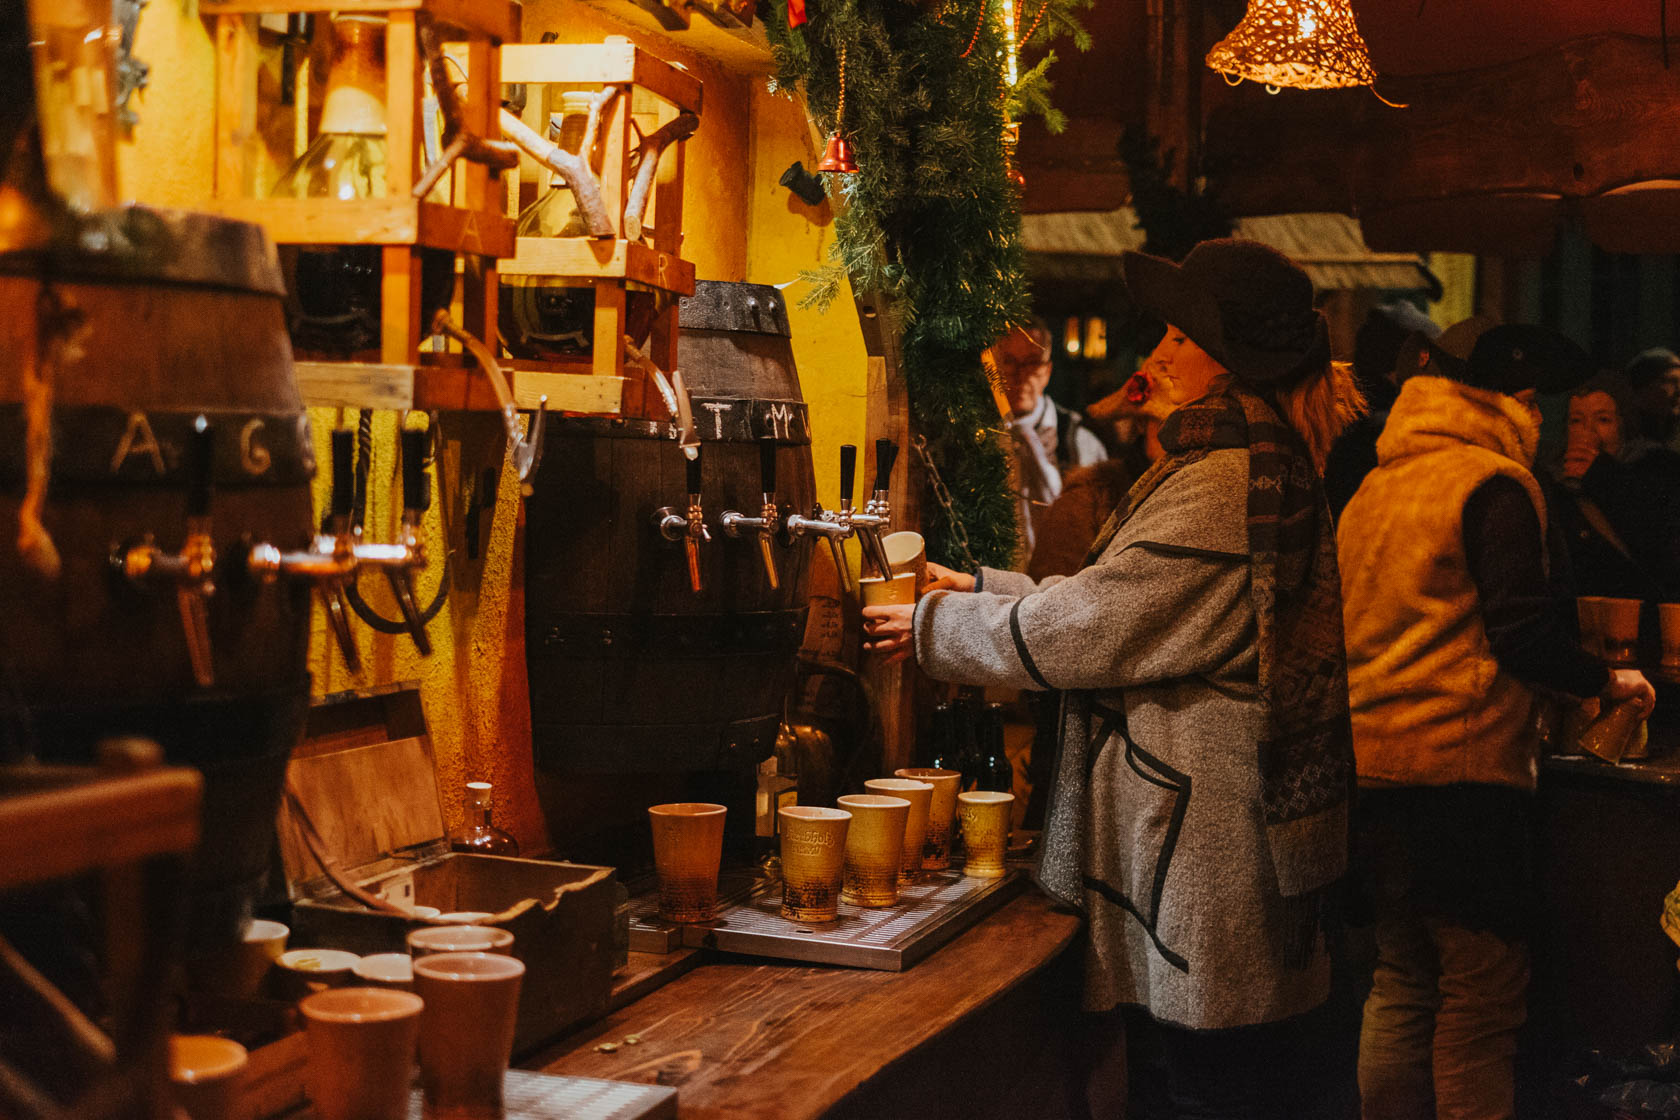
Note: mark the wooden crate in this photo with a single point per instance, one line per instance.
(655, 91)
(471, 221)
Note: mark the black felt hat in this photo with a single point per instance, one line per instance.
(1509, 358)
(1249, 306)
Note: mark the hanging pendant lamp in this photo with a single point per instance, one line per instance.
(1302, 44)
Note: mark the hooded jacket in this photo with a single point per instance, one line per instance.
(1431, 704)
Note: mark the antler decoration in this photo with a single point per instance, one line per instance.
(458, 143)
(647, 156)
(571, 167)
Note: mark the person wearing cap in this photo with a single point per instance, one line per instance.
(1049, 440)
(1655, 378)
(1200, 807)
(1455, 636)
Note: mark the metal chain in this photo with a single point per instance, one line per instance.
(959, 535)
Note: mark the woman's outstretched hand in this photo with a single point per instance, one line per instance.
(887, 630)
(941, 578)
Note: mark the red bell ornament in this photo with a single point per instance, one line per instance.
(837, 156)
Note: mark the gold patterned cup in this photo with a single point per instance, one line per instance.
(874, 848)
(687, 848)
(920, 796)
(985, 825)
(813, 861)
(942, 810)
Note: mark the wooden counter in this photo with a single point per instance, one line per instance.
(980, 1028)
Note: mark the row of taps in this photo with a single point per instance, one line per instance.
(330, 561)
(687, 525)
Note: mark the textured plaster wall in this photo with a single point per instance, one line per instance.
(741, 225)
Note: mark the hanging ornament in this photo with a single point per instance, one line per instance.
(1012, 137)
(1302, 44)
(796, 13)
(837, 155)
(1011, 75)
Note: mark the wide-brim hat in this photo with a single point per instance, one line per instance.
(1246, 304)
(1510, 357)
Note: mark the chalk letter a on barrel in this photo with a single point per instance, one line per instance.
(138, 440)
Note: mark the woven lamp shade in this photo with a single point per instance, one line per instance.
(1303, 44)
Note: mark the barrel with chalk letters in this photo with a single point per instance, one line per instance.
(144, 377)
(630, 669)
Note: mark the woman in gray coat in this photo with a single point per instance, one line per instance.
(1199, 815)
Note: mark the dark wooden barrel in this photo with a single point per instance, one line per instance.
(630, 670)
(179, 316)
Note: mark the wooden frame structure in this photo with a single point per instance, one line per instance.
(653, 92)
(471, 222)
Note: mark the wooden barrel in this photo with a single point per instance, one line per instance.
(174, 318)
(630, 670)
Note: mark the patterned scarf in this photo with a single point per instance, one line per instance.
(1305, 755)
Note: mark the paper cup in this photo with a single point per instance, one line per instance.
(813, 861)
(942, 811)
(985, 826)
(301, 971)
(1589, 611)
(459, 939)
(874, 848)
(907, 552)
(361, 1052)
(920, 796)
(205, 1072)
(898, 591)
(386, 970)
(1668, 616)
(466, 1031)
(1621, 630)
(687, 849)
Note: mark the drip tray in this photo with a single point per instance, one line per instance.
(928, 914)
(542, 1096)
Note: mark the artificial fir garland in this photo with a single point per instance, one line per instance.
(931, 219)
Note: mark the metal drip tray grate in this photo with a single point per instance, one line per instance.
(542, 1096)
(928, 914)
(649, 933)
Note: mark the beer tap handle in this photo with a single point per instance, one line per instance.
(417, 496)
(886, 454)
(402, 589)
(769, 514)
(196, 582)
(848, 474)
(337, 604)
(697, 531)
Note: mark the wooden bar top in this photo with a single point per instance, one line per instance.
(743, 1038)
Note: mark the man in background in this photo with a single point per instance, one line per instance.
(1049, 440)
(1655, 378)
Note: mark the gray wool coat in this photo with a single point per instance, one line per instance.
(1155, 826)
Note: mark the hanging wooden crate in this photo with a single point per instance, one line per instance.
(645, 242)
(463, 215)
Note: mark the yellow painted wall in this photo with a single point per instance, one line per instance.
(740, 224)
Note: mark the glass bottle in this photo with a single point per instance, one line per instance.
(334, 311)
(993, 770)
(481, 837)
(542, 318)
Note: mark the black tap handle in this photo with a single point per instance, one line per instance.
(848, 470)
(343, 472)
(694, 473)
(767, 465)
(201, 468)
(886, 454)
(416, 494)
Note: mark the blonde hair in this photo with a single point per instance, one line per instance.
(1320, 407)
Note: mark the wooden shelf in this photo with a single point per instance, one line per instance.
(500, 21)
(617, 61)
(449, 385)
(743, 50)
(374, 221)
(602, 258)
(59, 821)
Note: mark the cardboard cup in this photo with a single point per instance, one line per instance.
(687, 849)
(238, 970)
(985, 826)
(386, 970)
(205, 1072)
(942, 811)
(900, 590)
(299, 972)
(466, 1031)
(459, 939)
(1590, 613)
(1621, 630)
(874, 848)
(813, 861)
(920, 796)
(361, 1052)
(1668, 616)
(907, 552)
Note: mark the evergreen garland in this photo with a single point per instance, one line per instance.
(931, 220)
